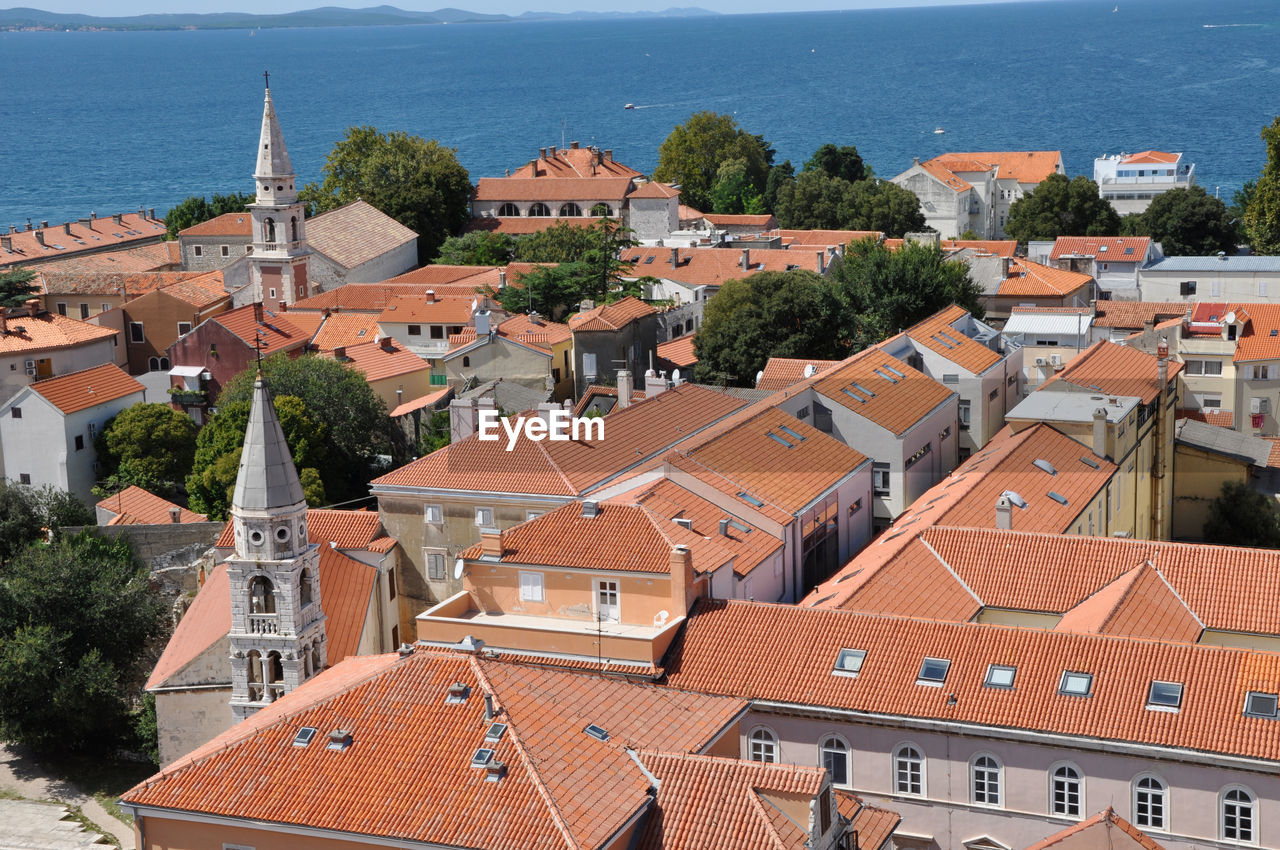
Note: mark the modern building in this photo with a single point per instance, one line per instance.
(1220, 278)
(1131, 181)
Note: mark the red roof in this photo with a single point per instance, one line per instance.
(938, 334)
(84, 236)
(1023, 166)
(794, 238)
(383, 359)
(135, 506)
(764, 222)
(679, 351)
(345, 529)
(1220, 418)
(1030, 279)
(439, 311)
(341, 329)
(48, 332)
(574, 162)
(78, 391)
(145, 258)
(1105, 829)
(868, 384)
(374, 297)
(1113, 249)
(1133, 315)
(227, 224)
(1154, 157)
(206, 621)
(428, 400)
(274, 329)
(611, 317)
(583, 190)
(782, 372)
(1115, 370)
(654, 189)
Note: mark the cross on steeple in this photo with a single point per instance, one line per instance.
(259, 343)
(267, 79)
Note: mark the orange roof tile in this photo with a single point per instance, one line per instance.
(945, 176)
(540, 331)
(428, 400)
(1115, 370)
(160, 256)
(374, 297)
(1139, 603)
(338, 329)
(1030, 279)
(714, 266)
(611, 317)
(1220, 418)
(1150, 157)
(583, 190)
(679, 351)
(1023, 166)
(206, 621)
(999, 247)
(719, 651)
(227, 224)
(782, 372)
(346, 529)
(1105, 829)
(277, 331)
(654, 189)
(1261, 337)
(440, 311)
(873, 825)
(383, 359)
(356, 233)
(200, 292)
(764, 222)
(109, 283)
(1113, 249)
(48, 332)
(574, 162)
(135, 506)
(84, 236)
(938, 334)
(77, 391)
(866, 383)
(824, 238)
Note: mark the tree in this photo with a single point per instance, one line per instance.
(1262, 216)
(57, 508)
(1241, 516)
(148, 445)
(1240, 201)
(818, 201)
(217, 455)
(20, 521)
(843, 162)
(779, 176)
(733, 193)
(16, 287)
(436, 435)
(1061, 206)
(551, 291)
(477, 248)
(194, 209)
(812, 201)
(416, 181)
(590, 266)
(692, 155)
(1186, 222)
(75, 618)
(770, 314)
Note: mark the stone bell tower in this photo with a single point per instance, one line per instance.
(278, 264)
(277, 624)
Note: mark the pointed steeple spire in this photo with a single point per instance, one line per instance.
(267, 478)
(273, 156)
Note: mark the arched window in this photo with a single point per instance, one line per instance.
(164, 364)
(153, 365)
(601, 210)
(1150, 802)
(570, 210)
(466, 361)
(255, 675)
(908, 770)
(315, 657)
(261, 598)
(764, 746)
(269, 230)
(1065, 792)
(509, 211)
(305, 590)
(293, 228)
(985, 780)
(541, 210)
(306, 662)
(835, 758)
(1238, 815)
(275, 668)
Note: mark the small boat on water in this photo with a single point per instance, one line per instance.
(938, 131)
(629, 106)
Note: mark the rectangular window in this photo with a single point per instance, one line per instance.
(880, 478)
(484, 517)
(79, 442)
(849, 662)
(1258, 704)
(1000, 676)
(435, 566)
(136, 333)
(84, 310)
(991, 396)
(933, 671)
(1076, 684)
(415, 330)
(1262, 289)
(1165, 695)
(1187, 287)
(920, 454)
(531, 587)
(105, 306)
(963, 413)
(16, 412)
(226, 250)
(24, 478)
(528, 515)
(589, 365)
(62, 308)
(855, 507)
(391, 589)
(1211, 402)
(433, 514)
(197, 250)
(437, 331)
(184, 328)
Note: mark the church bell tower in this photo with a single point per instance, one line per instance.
(278, 264)
(277, 623)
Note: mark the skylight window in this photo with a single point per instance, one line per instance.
(749, 499)
(1258, 704)
(495, 732)
(1000, 676)
(933, 671)
(860, 388)
(849, 662)
(1165, 696)
(853, 395)
(648, 259)
(740, 526)
(1076, 684)
(937, 338)
(482, 757)
(778, 439)
(1058, 497)
(597, 732)
(948, 337)
(886, 376)
(894, 371)
(792, 433)
(1089, 462)
(1044, 466)
(304, 736)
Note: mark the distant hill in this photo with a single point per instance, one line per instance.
(326, 16)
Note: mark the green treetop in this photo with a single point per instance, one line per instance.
(1061, 206)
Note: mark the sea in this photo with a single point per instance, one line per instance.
(113, 121)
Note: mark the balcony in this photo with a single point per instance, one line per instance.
(279, 247)
(189, 398)
(263, 624)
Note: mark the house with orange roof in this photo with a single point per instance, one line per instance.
(393, 372)
(1105, 829)
(782, 372)
(156, 257)
(83, 294)
(679, 354)
(1030, 284)
(136, 506)
(689, 276)
(425, 322)
(47, 428)
(1131, 181)
(37, 245)
(36, 344)
(338, 329)
(529, 350)
(1115, 262)
(155, 320)
(612, 337)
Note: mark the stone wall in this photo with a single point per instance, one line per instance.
(154, 542)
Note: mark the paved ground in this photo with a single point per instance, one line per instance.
(19, 775)
(42, 826)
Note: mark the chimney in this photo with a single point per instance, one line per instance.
(387, 344)
(283, 308)
(746, 259)
(33, 307)
(534, 318)
(1100, 432)
(1162, 366)
(590, 508)
(545, 409)
(175, 514)
(40, 236)
(1148, 325)
(502, 279)
(44, 224)
(822, 262)
(399, 396)
(151, 213)
(625, 386)
(573, 145)
(93, 216)
(117, 219)
(431, 296)
(482, 323)
(4, 320)
(675, 258)
(682, 590)
(6, 242)
(915, 160)
(654, 383)
(542, 153)
(340, 353)
(724, 527)
(552, 150)
(489, 713)
(1004, 512)
(608, 154)
(490, 543)
(66, 227)
(462, 419)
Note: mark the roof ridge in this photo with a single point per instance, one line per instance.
(33, 384)
(757, 805)
(954, 574)
(1177, 595)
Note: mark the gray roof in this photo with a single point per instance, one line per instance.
(509, 396)
(1223, 441)
(1031, 322)
(1216, 264)
(1061, 405)
(273, 156)
(267, 478)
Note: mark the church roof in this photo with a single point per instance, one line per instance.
(273, 156)
(267, 477)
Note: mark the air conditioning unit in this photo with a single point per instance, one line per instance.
(31, 370)
(30, 364)
(1040, 361)
(1055, 359)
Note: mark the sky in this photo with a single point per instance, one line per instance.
(113, 8)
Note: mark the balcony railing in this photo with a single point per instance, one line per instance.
(263, 624)
(189, 397)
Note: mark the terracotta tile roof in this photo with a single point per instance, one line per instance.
(764, 222)
(782, 372)
(574, 162)
(1113, 249)
(719, 651)
(594, 391)
(632, 435)
(1030, 279)
(48, 332)
(383, 359)
(277, 331)
(1150, 157)
(1261, 337)
(441, 311)
(794, 238)
(542, 332)
(200, 292)
(146, 258)
(522, 226)
(583, 190)
(1115, 370)
(338, 329)
(207, 621)
(708, 803)
(227, 224)
(1220, 418)
(111, 283)
(410, 745)
(713, 266)
(348, 529)
(873, 825)
(654, 189)
(945, 176)
(679, 351)
(84, 236)
(1139, 603)
(1105, 829)
(938, 334)
(135, 506)
(374, 297)
(356, 233)
(81, 390)
(999, 247)
(866, 384)
(1023, 166)
(382, 545)
(428, 400)
(611, 317)
(688, 213)
(1132, 315)
(442, 275)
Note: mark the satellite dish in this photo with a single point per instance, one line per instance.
(809, 370)
(1231, 318)
(675, 375)
(457, 569)
(759, 375)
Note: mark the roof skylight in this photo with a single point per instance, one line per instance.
(1044, 466)
(495, 732)
(776, 438)
(792, 433)
(853, 395)
(849, 662)
(1165, 696)
(1258, 704)
(304, 736)
(597, 732)
(749, 499)
(999, 676)
(860, 388)
(1090, 462)
(482, 757)
(1058, 497)
(933, 671)
(1076, 684)
(894, 371)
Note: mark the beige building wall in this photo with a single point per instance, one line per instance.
(188, 719)
(1199, 480)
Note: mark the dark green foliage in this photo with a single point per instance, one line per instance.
(1242, 516)
(16, 287)
(779, 175)
(817, 201)
(843, 162)
(417, 182)
(1186, 222)
(1060, 206)
(477, 248)
(148, 445)
(146, 730)
(1262, 215)
(733, 193)
(75, 617)
(692, 155)
(195, 209)
(20, 521)
(590, 267)
(58, 508)
(1240, 201)
(435, 435)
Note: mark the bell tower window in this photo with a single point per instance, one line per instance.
(262, 599)
(293, 224)
(305, 590)
(269, 230)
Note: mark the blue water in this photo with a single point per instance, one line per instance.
(112, 121)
